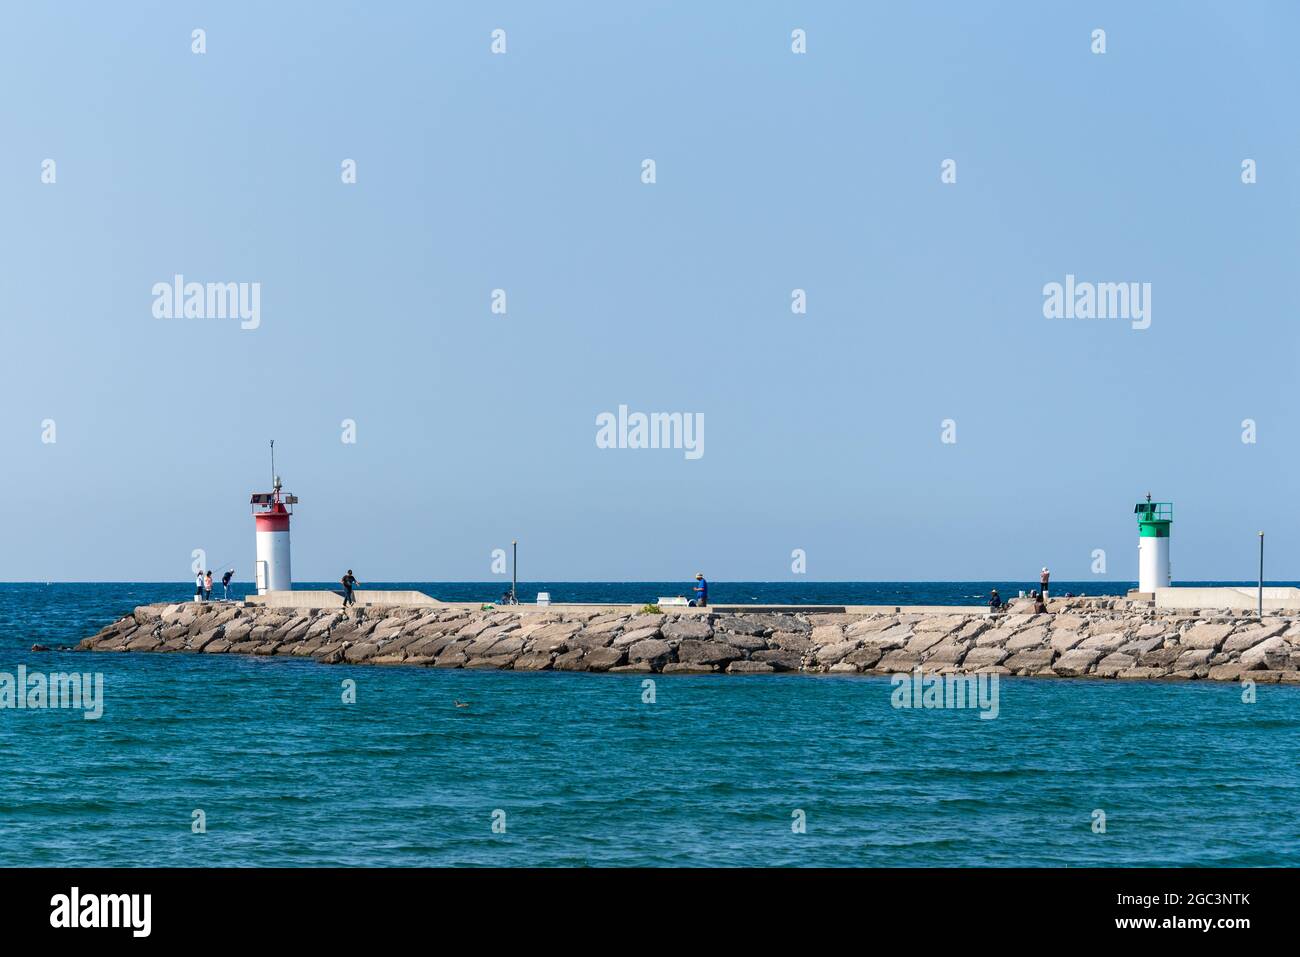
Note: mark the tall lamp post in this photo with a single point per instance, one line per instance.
(514, 571)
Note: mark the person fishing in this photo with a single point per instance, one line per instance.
(995, 601)
(701, 591)
(225, 583)
(349, 583)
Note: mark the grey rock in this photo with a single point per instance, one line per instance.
(750, 668)
(780, 658)
(1253, 658)
(654, 650)
(632, 637)
(1113, 664)
(1076, 662)
(830, 654)
(984, 657)
(688, 668)
(1205, 635)
(603, 659)
(694, 651)
(684, 628)
(1030, 660)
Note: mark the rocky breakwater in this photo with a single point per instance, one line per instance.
(1094, 638)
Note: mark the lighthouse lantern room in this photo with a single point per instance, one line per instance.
(271, 512)
(1154, 519)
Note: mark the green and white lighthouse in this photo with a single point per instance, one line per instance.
(1154, 519)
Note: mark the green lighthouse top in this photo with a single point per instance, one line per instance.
(1154, 518)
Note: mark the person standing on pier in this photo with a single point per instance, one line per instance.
(198, 586)
(225, 583)
(701, 591)
(207, 586)
(1042, 582)
(349, 583)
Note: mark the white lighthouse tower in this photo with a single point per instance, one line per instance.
(1154, 519)
(271, 512)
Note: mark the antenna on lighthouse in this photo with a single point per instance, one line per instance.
(273, 464)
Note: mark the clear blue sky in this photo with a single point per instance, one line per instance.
(775, 171)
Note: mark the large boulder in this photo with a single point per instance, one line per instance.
(750, 668)
(893, 637)
(1113, 664)
(1205, 635)
(1226, 672)
(898, 660)
(1255, 658)
(1063, 641)
(1192, 658)
(747, 642)
(632, 636)
(534, 661)
(983, 657)
(1249, 637)
(1024, 640)
(923, 641)
(1106, 642)
(947, 652)
(1161, 657)
(573, 660)
(1031, 660)
(994, 638)
(830, 654)
(695, 651)
(1076, 662)
(827, 635)
(655, 651)
(780, 658)
(689, 627)
(602, 659)
(790, 641)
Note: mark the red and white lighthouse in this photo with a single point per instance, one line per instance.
(271, 511)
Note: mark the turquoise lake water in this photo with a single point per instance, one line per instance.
(588, 773)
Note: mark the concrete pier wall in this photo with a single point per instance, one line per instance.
(1279, 598)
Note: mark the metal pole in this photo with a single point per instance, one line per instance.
(1261, 574)
(514, 571)
(273, 463)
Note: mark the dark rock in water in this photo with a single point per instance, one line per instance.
(780, 658)
(749, 668)
(689, 668)
(641, 667)
(534, 661)
(603, 659)
(571, 661)
(695, 651)
(39, 648)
